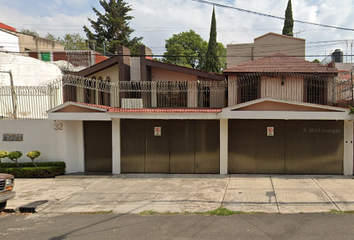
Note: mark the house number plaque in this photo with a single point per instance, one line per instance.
(12, 137)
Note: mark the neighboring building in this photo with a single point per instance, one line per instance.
(18, 42)
(28, 99)
(26, 71)
(9, 41)
(76, 58)
(32, 43)
(344, 82)
(265, 45)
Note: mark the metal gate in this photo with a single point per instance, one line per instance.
(170, 146)
(279, 146)
(98, 146)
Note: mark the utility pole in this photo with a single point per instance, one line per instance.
(13, 94)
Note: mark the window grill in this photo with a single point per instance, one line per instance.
(316, 90)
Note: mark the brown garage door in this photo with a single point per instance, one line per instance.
(251, 151)
(314, 147)
(297, 147)
(98, 146)
(185, 146)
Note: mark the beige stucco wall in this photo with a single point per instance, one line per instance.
(76, 109)
(159, 74)
(232, 91)
(264, 46)
(274, 106)
(31, 43)
(271, 87)
(111, 72)
(292, 89)
(135, 69)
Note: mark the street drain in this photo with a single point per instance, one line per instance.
(31, 207)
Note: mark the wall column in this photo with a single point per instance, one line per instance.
(223, 145)
(116, 153)
(348, 148)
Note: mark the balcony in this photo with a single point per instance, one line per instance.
(33, 102)
(146, 94)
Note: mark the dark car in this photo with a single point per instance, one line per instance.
(6, 189)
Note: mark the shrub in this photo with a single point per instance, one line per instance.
(26, 170)
(14, 156)
(3, 154)
(33, 155)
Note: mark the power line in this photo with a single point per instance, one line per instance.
(188, 56)
(270, 16)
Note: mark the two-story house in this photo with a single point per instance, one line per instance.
(270, 115)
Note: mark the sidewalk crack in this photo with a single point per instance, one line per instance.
(226, 187)
(275, 195)
(335, 204)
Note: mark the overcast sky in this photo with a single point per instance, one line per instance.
(157, 20)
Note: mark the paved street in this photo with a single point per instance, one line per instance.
(127, 226)
(135, 193)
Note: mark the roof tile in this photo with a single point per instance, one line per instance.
(280, 63)
(154, 110)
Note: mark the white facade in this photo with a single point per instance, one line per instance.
(63, 140)
(57, 141)
(9, 42)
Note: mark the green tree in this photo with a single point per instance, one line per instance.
(14, 156)
(221, 51)
(189, 49)
(73, 42)
(29, 32)
(33, 155)
(51, 37)
(112, 27)
(212, 63)
(289, 21)
(185, 49)
(3, 154)
(316, 61)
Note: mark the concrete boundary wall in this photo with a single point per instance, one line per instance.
(56, 140)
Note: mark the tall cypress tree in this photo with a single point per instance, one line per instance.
(289, 21)
(212, 58)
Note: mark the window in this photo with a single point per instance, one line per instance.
(204, 96)
(315, 90)
(248, 89)
(103, 91)
(70, 93)
(90, 93)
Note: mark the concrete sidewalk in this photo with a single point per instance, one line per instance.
(134, 193)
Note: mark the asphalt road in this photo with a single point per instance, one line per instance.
(128, 226)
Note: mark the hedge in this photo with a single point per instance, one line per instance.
(27, 170)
